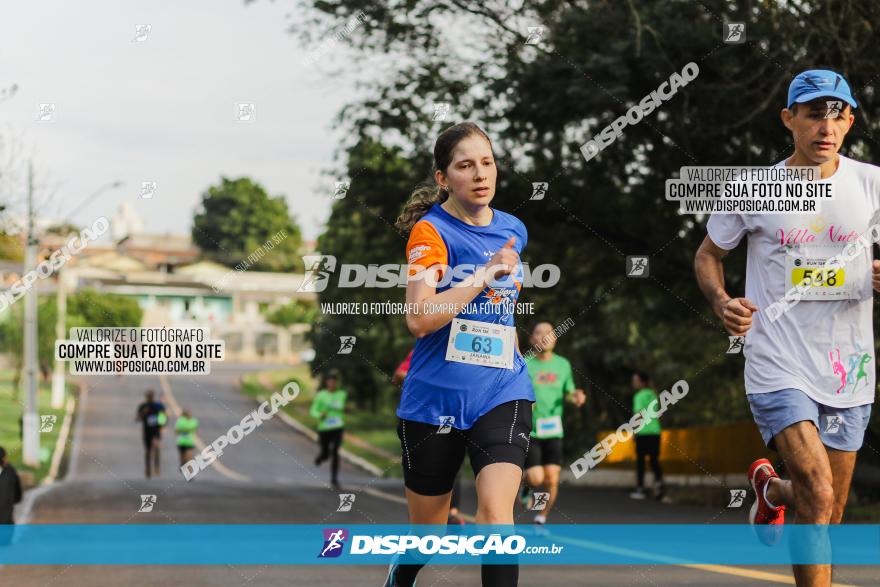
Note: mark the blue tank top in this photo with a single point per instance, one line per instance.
(435, 387)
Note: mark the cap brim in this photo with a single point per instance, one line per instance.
(823, 94)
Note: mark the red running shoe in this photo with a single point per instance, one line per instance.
(767, 521)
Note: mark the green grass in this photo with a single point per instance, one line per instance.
(10, 433)
(379, 429)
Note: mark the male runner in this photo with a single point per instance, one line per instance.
(794, 357)
(152, 416)
(648, 438)
(552, 381)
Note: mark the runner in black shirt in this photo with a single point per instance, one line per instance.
(152, 416)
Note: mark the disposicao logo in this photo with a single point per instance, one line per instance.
(334, 541)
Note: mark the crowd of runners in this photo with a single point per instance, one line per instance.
(467, 387)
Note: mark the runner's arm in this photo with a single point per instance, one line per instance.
(735, 313)
(573, 394)
(317, 408)
(438, 310)
(710, 274)
(448, 305)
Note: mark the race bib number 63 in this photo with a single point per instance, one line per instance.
(480, 343)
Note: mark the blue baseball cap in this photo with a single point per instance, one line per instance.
(819, 83)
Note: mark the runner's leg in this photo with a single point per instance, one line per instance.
(430, 463)
(497, 486)
(842, 465)
(148, 449)
(336, 444)
(810, 492)
(427, 509)
(640, 462)
(497, 445)
(324, 442)
(551, 484)
(535, 476)
(157, 443)
(654, 454)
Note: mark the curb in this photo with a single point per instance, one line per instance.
(50, 481)
(60, 442)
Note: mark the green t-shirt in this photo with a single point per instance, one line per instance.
(185, 428)
(332, 405)
(551, 380)
(641, 400)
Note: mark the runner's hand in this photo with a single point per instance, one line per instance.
(875, 275)
(737, 315)
(503, 262)
(579, 397)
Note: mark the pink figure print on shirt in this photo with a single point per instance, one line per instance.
(839, 369)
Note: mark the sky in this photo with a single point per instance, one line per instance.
(165, 108)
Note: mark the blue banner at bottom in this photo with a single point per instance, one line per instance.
(576, 544)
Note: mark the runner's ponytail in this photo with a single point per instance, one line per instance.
(420, 201)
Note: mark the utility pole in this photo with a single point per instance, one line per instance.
(30, 420)
(58, 375)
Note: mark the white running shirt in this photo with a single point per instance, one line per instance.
(823, 347)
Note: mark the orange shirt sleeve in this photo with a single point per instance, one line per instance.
(425, 247)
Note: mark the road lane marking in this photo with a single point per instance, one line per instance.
(60, 442)
(720, 569)
(220, 467)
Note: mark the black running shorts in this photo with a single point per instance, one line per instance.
(546, 451)
(431, 459)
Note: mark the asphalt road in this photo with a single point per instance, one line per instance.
(269, 478)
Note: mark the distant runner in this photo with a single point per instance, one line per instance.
(648, 438)
(553, 382)
(152, 416)
(328, 407)
(186, 427)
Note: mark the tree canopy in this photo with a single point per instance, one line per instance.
(236, 220)
(539, 103)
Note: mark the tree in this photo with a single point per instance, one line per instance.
(239, 223)
(86, 308)
(360, 230)
(541, 102)
(294, 312)
(92, 308)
